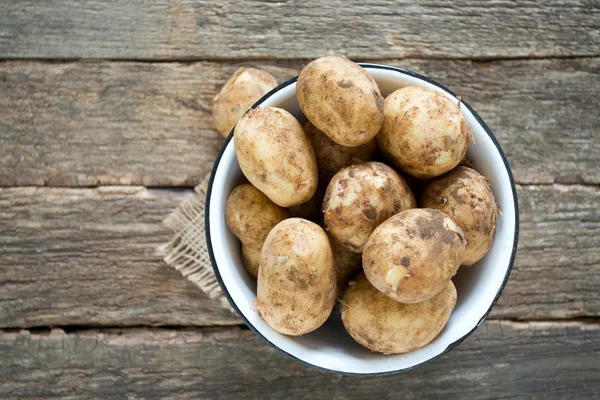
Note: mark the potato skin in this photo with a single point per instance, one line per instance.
(381, 324)
(296, 279)
(467, 198)
(244, 88)
(411, 256)
(276, 156)
(251, 215)
(424, 132)
(312, 209)
(251, 259)
(361, 197)
(341, 99)
(347, 265)
(331, 156)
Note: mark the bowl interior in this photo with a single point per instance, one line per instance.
(330, 347)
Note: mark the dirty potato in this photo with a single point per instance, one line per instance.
(361, 197)
(341, 99)
(251, 215)
(242, 89)
(296, 280)
(347, 264)
(312, 209)
(412, 256)
(467, 198)
(424, 132)
(276, 155)
(381, 324)
(251, 259)
(331, 156)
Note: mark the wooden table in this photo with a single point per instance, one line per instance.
(105, 126)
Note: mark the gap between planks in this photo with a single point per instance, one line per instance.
(233, 60)
(583, 323)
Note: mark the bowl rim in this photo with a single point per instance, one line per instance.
(451, 345)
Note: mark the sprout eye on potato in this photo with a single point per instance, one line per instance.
(387, 326)
(244, 88)
(251, 215)
(361, 197)
(413, 255)
(424, 132)
(296, 280)
(341, 99)
(467, 198)
(276, 156)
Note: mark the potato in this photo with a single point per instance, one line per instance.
(467, 198)
(251, 259)
(412, 256)
(331, 157)
(276, 156)
(296, 279)
(361, 197)
(312, 209)
(384, 325)
(244, 88)
(340, 98)
(424, 132)
(347, 265)
(251, 215)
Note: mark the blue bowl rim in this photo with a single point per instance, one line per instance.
(451, 345)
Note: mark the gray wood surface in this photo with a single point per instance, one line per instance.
(73, 257)
(501, 360)
(118, 95)
(88, 257)
(226, 29)
(106, 123)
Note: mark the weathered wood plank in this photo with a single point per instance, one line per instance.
(87, 257)
(72, 257)
(88, 124)
(100, 123)
(214, 29)
(501, 360)
(557, 270)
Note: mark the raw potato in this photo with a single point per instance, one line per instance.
(361, 197)
(340, 98)
(251, 259)
(424, 132)
(384, 325)
(244, 88)
(276, 156)
(467, 198)
(312, 209)
(251, 215)
(412, 256)
(347, 265)
(331, 157)
(296, 279)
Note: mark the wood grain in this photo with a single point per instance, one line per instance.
(501, 359)
(87, 257)
(103, 123)
(557, 270)
(73, 257)
(216, 29)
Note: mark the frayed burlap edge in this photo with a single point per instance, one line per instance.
(187, 251)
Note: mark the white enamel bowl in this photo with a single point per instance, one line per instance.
(330, 348)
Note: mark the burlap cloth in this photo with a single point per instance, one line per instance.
(187, 252)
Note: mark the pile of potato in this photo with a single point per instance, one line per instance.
(330, 211)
